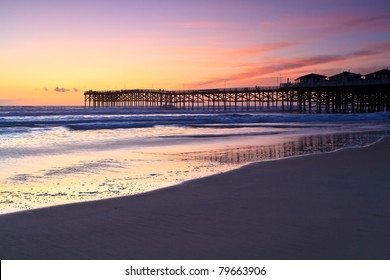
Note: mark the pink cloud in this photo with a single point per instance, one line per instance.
(263, 48)
(224, 56)
(294, 65)
(196, 24)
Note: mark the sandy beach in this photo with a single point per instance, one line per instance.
(327, 206)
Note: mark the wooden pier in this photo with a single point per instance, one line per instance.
(329, 97)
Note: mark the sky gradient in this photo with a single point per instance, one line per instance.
(52, 51)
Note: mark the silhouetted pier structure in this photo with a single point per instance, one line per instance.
(342, 93)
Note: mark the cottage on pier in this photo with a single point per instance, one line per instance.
(381, 76)
(346, 77)
(311, 79)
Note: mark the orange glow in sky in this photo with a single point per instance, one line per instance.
(52, 51)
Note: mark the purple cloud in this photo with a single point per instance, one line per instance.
(195, 24)
(58, 89)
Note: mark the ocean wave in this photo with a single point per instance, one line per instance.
(78, 118)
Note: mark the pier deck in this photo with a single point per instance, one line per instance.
(329, 98)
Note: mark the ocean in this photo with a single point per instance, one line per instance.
(57, 155)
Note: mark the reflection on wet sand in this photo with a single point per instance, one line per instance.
(301, 146)
(129, 173)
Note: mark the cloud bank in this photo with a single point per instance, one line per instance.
(62, 89)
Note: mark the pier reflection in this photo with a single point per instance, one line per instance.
(301, 146)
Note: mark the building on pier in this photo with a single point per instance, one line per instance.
(382, 76)
(346, 77)
(311, 79)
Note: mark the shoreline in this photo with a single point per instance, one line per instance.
(231, 215)
(238, 166)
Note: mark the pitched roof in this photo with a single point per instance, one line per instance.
(346, 74)
(380, 72)
(311, 75)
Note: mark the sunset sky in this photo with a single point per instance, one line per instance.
(52, 51)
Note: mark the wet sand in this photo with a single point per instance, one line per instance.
(328, 206)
